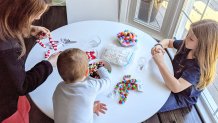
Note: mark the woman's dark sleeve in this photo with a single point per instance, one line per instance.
(13, 73)
(36, 76)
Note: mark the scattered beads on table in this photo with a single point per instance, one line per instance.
(127, 38)
(93, 68)
(124, 87)
(91, 55)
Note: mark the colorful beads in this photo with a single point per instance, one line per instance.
(127, 38)
(124, 86)
(91, 55)
(93, 68)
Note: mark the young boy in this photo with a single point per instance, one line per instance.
(74, 98)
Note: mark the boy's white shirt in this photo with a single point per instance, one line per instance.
(73, 103)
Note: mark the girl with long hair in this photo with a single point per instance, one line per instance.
(194, 64)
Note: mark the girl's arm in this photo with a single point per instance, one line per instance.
(167, 43)
(175, 85)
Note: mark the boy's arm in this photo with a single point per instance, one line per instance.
(103, 73)
(103, 83)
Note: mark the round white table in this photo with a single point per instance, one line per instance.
(139, 105)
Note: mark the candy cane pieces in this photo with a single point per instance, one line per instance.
(40, 36)
(47, 54)
(53, 44)
(40, 43)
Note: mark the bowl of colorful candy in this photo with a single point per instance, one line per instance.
(95, 64)
(127, 38)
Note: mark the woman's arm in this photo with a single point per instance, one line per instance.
(14, 77)
(35, 77)
(36, 30)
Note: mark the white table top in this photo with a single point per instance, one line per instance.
(139, 105)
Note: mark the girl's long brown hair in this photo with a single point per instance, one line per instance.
(206, 52)
(16, 17)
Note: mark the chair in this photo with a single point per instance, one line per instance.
(22, 113)
(81, 10)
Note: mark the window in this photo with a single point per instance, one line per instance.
(156, 17)
(151, 13)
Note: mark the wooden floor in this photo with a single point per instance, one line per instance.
(56, 17)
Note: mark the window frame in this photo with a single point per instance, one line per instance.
(129, 10)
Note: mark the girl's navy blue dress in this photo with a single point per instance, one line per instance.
(189, 70)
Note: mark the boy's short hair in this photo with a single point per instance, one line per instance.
(72, 64)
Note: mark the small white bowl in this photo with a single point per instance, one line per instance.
(106, 65)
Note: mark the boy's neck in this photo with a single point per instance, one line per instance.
(78, 80)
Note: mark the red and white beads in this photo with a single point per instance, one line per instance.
(53, 44)
(48, 53)
(91, 55)
(40, 43)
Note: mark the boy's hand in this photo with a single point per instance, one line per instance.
(37, 30)
(99, 107)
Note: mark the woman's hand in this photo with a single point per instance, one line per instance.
(37, 30)
(99, 107)
(156, 49)
(53, 59)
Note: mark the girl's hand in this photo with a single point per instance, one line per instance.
(99, 107)
(156, 49)
(53, 59)
(158, 57)
(37, 30)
